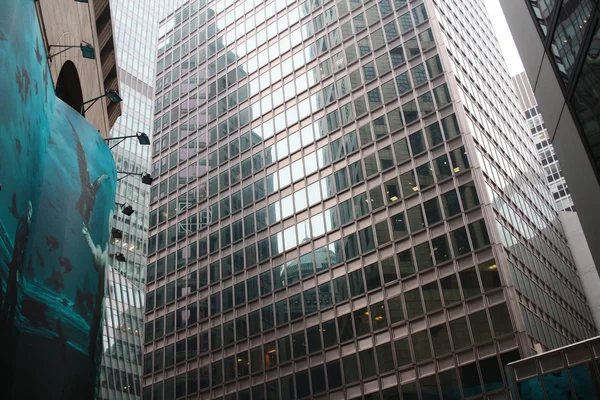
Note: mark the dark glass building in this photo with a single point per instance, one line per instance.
(559, 44)
(346, 205)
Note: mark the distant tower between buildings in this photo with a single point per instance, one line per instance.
(135, 30)
(558, 43)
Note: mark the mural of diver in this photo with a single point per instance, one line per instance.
(16, 266)
(8, 305)
(84, 207)
(99, 260)
(85, 204)
(55, 228)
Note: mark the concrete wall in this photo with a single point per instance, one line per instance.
(568, 146)
(583, 261)
(67, 22)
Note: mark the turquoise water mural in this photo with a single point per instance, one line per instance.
(58, 182)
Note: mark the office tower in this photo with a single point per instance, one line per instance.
(545, 151)
(557, 42)
(135, 30)
(573, 231)
(345, 205)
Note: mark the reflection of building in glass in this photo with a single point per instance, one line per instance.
(545, 151)
(339, 213)
(564, 67)
(569, 371)
(560, 193)
(135, 31)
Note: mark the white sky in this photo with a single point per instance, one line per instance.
(509, 50)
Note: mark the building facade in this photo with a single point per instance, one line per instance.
(346, 206)
(558, 44)
(135, 26)
(573, 231)
(541, 139)
(586, 269)
(67, 23)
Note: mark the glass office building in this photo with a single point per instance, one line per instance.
(558, 43)
(586, 268)
(541, 139)
(568, 372)
(135, 25)
(345, 206)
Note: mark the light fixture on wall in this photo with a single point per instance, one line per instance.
(119, 257)
(117, 233)
(146, 177)
(87, 51)
(112, 95)
(142, 138)
(125, 209)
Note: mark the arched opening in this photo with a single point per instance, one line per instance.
(68, 86)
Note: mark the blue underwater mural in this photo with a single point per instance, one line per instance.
(58, 183)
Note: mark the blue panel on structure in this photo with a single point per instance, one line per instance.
(58, 182)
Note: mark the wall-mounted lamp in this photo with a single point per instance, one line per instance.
(117, 233)
(125, 209)
(119, 257)
(111, 94)
(87, 51)
(142, 138)
(146, 177)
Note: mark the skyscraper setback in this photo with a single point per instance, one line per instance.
(345, 205)
(576, 240)
(135, 30)
(541, 139)
(558, 44)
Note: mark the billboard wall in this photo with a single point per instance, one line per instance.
(58, 183)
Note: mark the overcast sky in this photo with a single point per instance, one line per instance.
(513, 60)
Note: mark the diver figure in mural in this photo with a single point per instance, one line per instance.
(86, 202)
(15, 269)
(99, 260)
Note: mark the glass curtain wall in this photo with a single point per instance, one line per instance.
(541, 139)
(540, 265)
(135, 25)
(321, 223)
